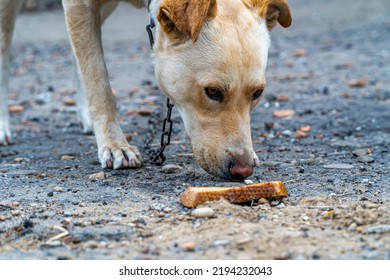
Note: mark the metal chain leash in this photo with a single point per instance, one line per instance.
(158, 157)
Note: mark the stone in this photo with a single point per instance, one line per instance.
(379, 229)
(287, 133)
(223, 242)
(248, 182)
(57, 189)
(170, 168)
(22, 172)
(365, 159)
(262, 201)
(204, 212)
(66, 157)
(359, 152)
(339, 166)
(15, 212)
(97, 176)
(281, 205)
(352, 227)
(244, 240)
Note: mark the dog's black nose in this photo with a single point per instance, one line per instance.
(240, 171)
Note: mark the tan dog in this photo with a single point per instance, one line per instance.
(210, 59)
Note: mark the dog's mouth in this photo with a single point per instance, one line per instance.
(204, 160)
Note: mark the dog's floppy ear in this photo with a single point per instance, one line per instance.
(273, 11)
(185, 17)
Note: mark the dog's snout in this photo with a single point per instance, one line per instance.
(240, 171)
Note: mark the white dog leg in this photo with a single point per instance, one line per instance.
(84, 22)
(8, 12)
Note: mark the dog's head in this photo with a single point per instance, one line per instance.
(210, 59)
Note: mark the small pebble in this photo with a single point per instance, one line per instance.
(57, 189)
(379, 229)
(15, 212)
(205, 212)
(50, 194)
(245, 240)
(221, 242)
(287, 133)
(170, 168)
(269, 125)
(298, 149)
(359, 152)
(91, 244)
(66, 157)
(68, 214)
(365, 159)
(352, 227)
(281, 205)
(248, 182)
(15, 204)
(97, 176)
(339, 166)
(2, 218)
(263, 201)
(275, 202)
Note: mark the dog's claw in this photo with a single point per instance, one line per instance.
(256, 160)
(123, 157)
(5, 138)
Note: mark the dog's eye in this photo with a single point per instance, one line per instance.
(214, 93)
(257, 94)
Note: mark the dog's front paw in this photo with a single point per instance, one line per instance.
(5, 135)
(117, 157)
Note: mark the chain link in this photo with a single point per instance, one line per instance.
(158, 157)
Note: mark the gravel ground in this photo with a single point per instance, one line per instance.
(331, 70)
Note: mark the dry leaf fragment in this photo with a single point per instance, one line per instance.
(302, 132)
(284, 113)
(300, 52)
(189, 246)
(282, 98)
(358, 83)
(70, 102)
(306, 128)
(15, 108)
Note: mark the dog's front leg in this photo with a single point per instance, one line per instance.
(84, 27)
(8, 12)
